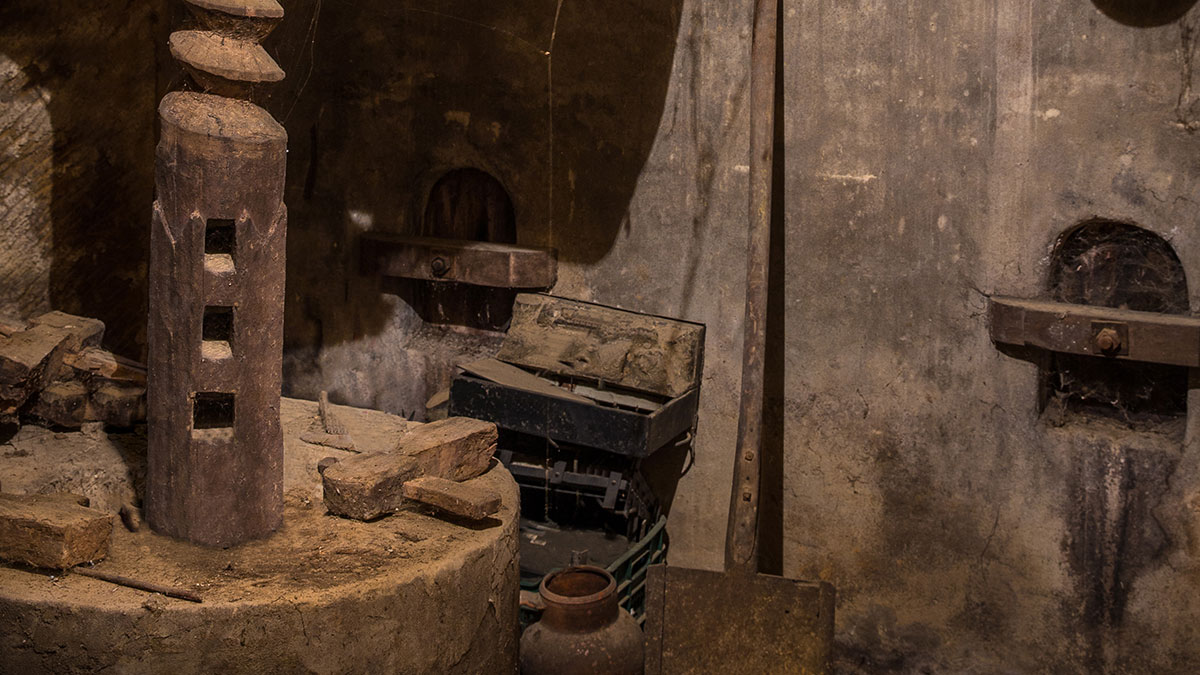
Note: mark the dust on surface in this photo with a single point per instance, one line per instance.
(311, 553)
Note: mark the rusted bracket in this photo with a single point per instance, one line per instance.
(1096, 331)
(467, 262)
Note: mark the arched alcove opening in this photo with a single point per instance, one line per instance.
(1106, 263)
(472, 205)
(1144, 13)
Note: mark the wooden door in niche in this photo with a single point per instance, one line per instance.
(469, 204)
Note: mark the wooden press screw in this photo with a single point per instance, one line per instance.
(1108, 341)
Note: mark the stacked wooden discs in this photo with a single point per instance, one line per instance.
(223, 55)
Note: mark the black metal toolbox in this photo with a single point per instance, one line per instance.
(614, 380)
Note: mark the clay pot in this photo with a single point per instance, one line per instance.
(582, 630)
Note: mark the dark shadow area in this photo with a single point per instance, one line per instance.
(472, 205)
(96, 64)
(382, 101)
(611, 69)
(770, 516)
(1144, 13)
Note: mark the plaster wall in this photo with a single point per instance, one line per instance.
(933, 152)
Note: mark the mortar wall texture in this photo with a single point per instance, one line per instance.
(932, 153)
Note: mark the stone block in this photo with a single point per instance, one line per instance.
(52, 531)
(370, 485)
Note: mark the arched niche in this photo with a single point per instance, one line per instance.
(468, 204)
(1106, 263)
(1144, 13)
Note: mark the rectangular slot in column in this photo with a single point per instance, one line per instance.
(217, 333)
(212, 416)
(220, 244)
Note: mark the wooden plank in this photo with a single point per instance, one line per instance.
(460, 499)
(28, 361)
(1063, 327)
(51, 531)
(370, 485)
(84, 332)
(460, 260)
(583, 340)
(511, 376)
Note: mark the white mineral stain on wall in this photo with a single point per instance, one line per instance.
(850, 177)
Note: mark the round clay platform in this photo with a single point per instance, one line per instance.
(409, 593)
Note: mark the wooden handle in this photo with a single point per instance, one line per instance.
(741, 538)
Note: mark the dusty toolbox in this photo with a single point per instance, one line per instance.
(589, 375)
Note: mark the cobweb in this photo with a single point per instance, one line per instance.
(1118, 265)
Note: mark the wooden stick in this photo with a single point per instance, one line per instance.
(140, 585)
(741, 538)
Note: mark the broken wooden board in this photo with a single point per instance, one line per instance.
(329, 420)
(370, 485)
(63, 404)
(467, 500)
(616, 398)
(328, 440)
(578, 339)
(11, 324)
(512, 376)
(28, 360)
(119, 406)
(328, 430)
(52, 531)
(84, 332)
(97, 367)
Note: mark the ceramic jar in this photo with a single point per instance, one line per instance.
(582, 629)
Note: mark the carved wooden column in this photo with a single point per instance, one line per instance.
(215, 465)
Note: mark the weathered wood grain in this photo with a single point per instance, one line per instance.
(51, 531)
(371, 485)
(465, 499)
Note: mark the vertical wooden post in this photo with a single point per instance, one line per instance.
(215, 462)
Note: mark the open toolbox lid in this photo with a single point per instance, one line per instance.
(613, 347)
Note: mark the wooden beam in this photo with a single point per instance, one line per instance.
(1096, 331)
(467, 262)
